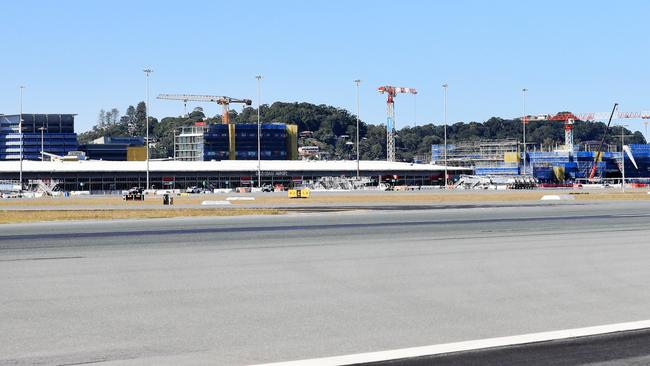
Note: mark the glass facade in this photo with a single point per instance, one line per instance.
(212, 142)
(216, 143)
(57, 131)
(273, 144)
(111, 148)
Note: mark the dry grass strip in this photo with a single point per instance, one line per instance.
(19, 216)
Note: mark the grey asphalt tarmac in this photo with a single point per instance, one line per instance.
(612, 349)
(243, 290)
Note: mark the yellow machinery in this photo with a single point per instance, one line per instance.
(299, 193)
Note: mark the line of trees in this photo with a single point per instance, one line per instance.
(334, 127)
(110, 123)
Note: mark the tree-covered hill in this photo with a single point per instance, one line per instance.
(333, 127)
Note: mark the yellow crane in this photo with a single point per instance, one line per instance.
(221, 100)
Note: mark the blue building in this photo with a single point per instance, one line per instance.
(640, 167)
(560, 166)
(114, 148)
(53, 132)
(278, 141)
(273, 142)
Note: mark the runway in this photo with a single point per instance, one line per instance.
(245, 290)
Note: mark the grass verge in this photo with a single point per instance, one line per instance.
(21, 216)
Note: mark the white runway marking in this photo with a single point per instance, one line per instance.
(466, 346)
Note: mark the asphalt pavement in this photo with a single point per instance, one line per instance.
(244, 290)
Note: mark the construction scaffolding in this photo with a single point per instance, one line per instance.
(480, 153)
(189, 144)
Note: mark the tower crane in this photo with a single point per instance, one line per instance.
(221, 100)
(392, 92)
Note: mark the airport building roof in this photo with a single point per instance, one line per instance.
(217, 166)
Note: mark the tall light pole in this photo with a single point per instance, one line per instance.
(175, 143)
(42, 129)
(646, 131)
(623, 158)
(20, 131)
(146, 111)
(259, 132)
(444, 86)
(415, 110)
(523, 121)
(358, 81)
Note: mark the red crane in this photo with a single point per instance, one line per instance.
(569, 118)
(392, 92)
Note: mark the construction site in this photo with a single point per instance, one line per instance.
(221, 156)
(504, 162)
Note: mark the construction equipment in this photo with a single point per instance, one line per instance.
(221, 100)
(392, 92)
(225, 119)
(594, 168)
(569, 118)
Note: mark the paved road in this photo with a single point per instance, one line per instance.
(244, 290)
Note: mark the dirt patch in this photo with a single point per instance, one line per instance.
(317, 198)
(439, 197)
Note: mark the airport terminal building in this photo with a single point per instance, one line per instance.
(100, 176)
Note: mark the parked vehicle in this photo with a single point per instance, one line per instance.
(134, 194)
(193, 189)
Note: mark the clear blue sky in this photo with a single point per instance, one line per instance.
(81, 56)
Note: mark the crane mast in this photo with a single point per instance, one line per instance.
(391, 92)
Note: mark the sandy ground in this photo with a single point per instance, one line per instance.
(280, 198)
(113, 207)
